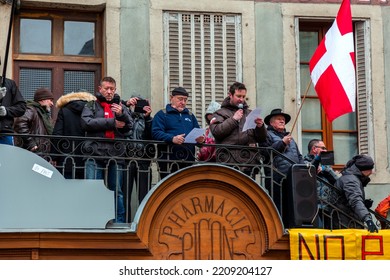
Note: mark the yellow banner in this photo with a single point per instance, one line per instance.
(341, 244)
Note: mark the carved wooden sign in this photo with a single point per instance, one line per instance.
(208, 212)
(206, 223)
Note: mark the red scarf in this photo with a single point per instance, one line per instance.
(108, 114)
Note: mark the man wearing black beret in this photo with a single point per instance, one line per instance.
(172, 125)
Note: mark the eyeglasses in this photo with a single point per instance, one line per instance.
(321, 147)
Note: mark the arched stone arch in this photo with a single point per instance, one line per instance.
(209, 212)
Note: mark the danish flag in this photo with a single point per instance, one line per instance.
(332, 66)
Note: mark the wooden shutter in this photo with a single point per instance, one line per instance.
(363, 88)
(202, 52)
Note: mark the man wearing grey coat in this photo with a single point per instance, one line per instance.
(350, 195)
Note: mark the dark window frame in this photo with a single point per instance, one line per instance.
(326, 130)
(57, 61)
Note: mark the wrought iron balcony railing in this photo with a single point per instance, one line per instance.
(143, 164)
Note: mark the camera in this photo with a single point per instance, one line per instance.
(327, 158)
(116, 100)
(139, 107)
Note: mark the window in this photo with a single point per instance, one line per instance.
(202, 52)
(35, 36)
(79, 38)
(348, 134)
(59, 51)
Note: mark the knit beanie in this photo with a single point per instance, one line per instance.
(42, 94)
(364, 162)
(214, 106)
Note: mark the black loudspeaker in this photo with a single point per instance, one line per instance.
(302, 199)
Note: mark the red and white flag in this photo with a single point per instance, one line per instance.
(332, 66)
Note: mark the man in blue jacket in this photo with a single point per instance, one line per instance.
(171, 125)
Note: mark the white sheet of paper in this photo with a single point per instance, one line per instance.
(250, 119)
(195, 133)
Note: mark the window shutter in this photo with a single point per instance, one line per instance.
(202, 52)
(363, 88)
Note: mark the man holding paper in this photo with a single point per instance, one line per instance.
(228, 124)
(172, 125)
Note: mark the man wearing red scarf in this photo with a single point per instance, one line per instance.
(107, 118)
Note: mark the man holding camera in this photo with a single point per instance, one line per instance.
(107, 118)
(139, 170)
(326, 173)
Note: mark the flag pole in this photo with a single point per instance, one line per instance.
(300, 107)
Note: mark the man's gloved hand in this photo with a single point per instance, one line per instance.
(3, 111)
(316, 161)
(368, 203)
(371, 226)
(3, 92)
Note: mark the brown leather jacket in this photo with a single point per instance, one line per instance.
(36, 120)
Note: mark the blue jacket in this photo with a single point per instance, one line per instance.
(168, 123)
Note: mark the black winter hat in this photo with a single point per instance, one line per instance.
(179, 91)
(42, 94)
(364, 162)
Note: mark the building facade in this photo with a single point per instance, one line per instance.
(152, 46)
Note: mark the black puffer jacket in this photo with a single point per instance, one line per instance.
(15, 105)
(68, 121)
(352, 196)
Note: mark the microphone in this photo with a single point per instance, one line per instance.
(240, 106)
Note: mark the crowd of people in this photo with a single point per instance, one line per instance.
(106, 116)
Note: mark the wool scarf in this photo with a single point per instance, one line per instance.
(108, 114)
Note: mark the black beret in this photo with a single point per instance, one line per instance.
(179, 91)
